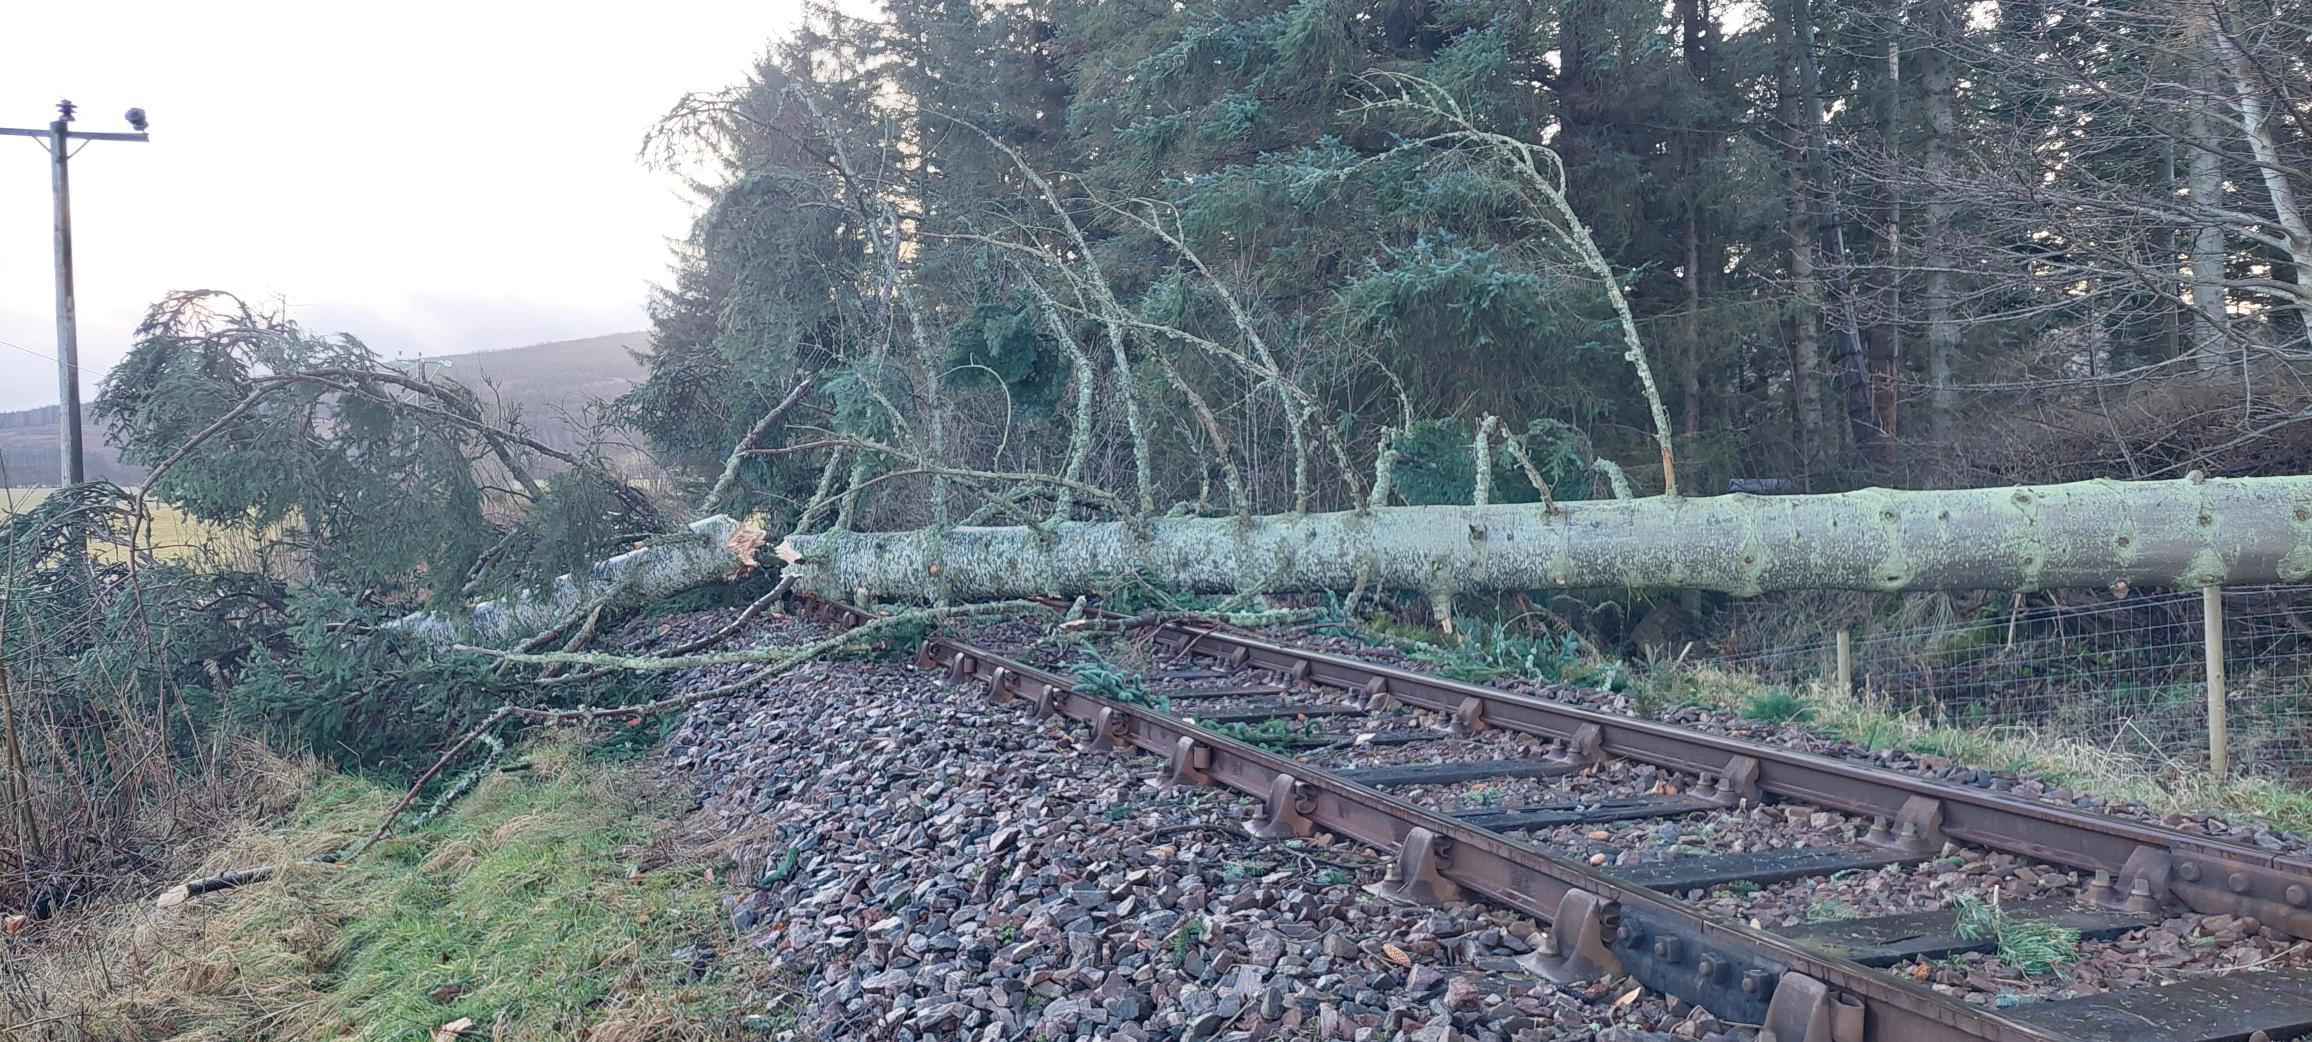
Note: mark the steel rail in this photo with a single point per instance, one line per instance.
(2147, 864)
(1597, 924)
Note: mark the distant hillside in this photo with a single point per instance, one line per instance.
(549, 384)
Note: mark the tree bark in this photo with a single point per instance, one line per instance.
(1805, 291)
(1936, 82)
(2186, 532)
(1698, 41)
(1887, 330)
(1854, 367)
(714, 549)
(2205, 175)
(2264, 145)
(1690, 327)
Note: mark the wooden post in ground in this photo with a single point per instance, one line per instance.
(1845, 662)
(2212, 622)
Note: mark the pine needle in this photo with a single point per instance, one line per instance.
(2034, 947)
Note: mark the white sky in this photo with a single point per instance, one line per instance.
(432, 177)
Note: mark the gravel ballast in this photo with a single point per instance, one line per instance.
(926, 864)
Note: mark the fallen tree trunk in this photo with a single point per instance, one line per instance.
(715, 549)
(2186, 532)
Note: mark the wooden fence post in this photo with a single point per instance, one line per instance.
(2212, 622)
(1845, 662)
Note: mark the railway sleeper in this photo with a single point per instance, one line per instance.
(1458, 773)
(1889, 939)
(2139, 867)
(1739, 974)
(2233, 1008)
(1191, 694)
(1623, 808)
(1327, 741)
(1276, 711)
(1757, 866)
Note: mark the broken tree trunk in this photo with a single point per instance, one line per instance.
(715, 549)
(2187, 532)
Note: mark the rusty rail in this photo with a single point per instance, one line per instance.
(1597, 925)
(2134, 862)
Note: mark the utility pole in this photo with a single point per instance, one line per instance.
(58, 138)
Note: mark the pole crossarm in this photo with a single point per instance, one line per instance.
(75, 135)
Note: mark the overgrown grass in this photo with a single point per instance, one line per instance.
(1776, 705)
(1488, 651)
(2056, 759)
(548, 905)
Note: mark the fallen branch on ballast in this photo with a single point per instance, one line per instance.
(773, 662)
(774, 653)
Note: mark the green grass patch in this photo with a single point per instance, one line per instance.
(548, 905)
(1185, 937)
(1776, 705)
(1493, 651)
(2046, 753)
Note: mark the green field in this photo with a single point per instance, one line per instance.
(172, 534)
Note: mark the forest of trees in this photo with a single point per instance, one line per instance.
(1918, 243)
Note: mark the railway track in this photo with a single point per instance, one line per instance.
(1822, 982)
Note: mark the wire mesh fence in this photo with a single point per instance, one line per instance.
(2128, 674)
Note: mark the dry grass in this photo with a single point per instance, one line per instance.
(50, 972)
(530, 909)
